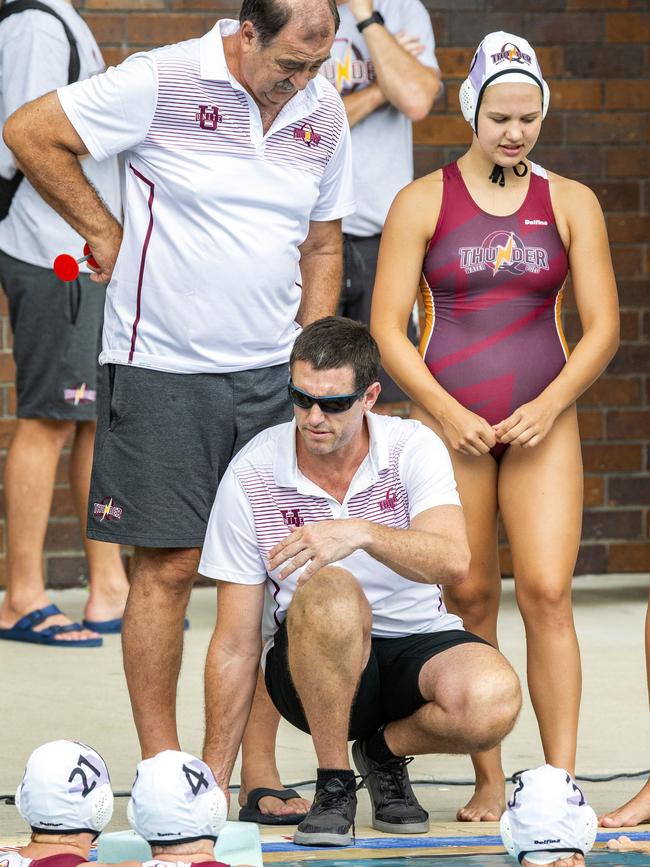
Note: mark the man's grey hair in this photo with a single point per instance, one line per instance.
(268, 17)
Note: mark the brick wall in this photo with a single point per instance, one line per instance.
(596, 57)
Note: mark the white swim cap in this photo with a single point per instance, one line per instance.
(547, 818)
(175, 799)
(65, 790)
(499, 58)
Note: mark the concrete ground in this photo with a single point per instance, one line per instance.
(49, 693)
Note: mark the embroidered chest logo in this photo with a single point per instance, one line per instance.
(503, 251)
(307, 134)
(208, 117)
(107, 510)
(292, 517)
(389, 502)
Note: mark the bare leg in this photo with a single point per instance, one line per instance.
(540, 492)
(108, 585)
(473, 698)
(152, 641)
(29, 484)
(637, 810)
(338, 657)
(476, 601)
(259, 769)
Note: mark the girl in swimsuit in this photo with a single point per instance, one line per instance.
(489, 240)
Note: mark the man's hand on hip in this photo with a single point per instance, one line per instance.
(104, 251)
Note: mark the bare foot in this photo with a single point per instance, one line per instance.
(573, 861)
(486, 804)
(10, 615)
(624, 844)
(270, 806)
(635, 812)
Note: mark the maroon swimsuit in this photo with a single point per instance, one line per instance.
(492, 289)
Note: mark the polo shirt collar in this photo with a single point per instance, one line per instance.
(213, 67)
(285, 463)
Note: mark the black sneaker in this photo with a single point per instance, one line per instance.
(395, 809)
(331, 816)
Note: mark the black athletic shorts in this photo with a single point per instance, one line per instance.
(388, 689)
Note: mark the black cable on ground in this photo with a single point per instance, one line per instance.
(584, 778)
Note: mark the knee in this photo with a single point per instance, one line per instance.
(332, 597)
(546, 604)
(166, 572)
(473, 600)
(490, 707)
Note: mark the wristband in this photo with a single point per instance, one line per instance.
(375, 18)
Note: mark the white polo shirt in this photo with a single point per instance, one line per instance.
(207, 278)
(263, 497)
(34, 58)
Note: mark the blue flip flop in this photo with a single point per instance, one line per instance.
(24, 630)
(114, 627)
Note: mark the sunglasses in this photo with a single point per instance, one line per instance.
(333, 403)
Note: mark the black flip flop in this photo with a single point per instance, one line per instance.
(251, 812)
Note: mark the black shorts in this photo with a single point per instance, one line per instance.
(163, 442)
(359, 267)
(57, 330)
(388, 689)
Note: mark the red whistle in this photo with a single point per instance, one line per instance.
(66, 267)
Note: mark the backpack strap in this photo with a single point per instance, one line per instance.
(24, 6)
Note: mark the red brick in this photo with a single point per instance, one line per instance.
(113, 56)
(624, 93)
(613, 524)
(627, 27)
(220, 9)
(454, 62)
(606, 4)
(629, 558)
(618, 128)
(564, 27)
(633, 293)
(62, 503)
(63, 468)
(63, 535)
(107, 28)
(628, 261)
(7, 367)
(572, 327)
(3, 572)
(427, 160)
(628, 228)
(590, 423)
(7, 427)
(505, 561)
(630, 358)
(629, 424)
(468, 28)
(628, 162)
(164, 29)
(139, 5)
(442, 131)
(552, 130)
(628, 490)
(629, 325)
(612, 458)
(646, 327)
(618, 195)
(580, 163)
(592, 560)
(595, 61)
(4, 305)
(576, 94)
(63, 572)
(594, 490)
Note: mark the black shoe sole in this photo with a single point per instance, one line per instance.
(306, 838)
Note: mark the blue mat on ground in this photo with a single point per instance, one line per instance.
(594, 859)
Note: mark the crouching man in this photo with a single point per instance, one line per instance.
(352, 523)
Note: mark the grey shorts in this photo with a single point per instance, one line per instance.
(359, 267)
(164, 440)
(57, 337)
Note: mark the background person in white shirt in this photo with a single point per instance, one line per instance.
(56, 328)
(384, 65)
(237, 176)
(352, 522)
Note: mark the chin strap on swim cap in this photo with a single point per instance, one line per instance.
(498, 177)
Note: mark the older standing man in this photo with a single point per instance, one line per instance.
(237, 174)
